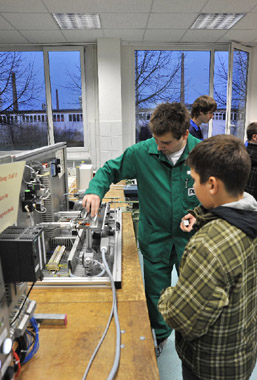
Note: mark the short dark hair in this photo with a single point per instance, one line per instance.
(251, 130)
(224, 157)
(204, 104)
(170, 117)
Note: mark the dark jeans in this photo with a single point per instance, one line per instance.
(188, 374)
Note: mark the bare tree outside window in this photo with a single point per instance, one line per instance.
(66, 91)
(73, 83)
(167, 76)
(156, 81)
(156, 77)
(239, 82)
(21, 91)
(239, 90)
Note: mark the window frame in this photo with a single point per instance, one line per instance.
(189, 47)
(87, 54)
(236, 46)
(81, 49)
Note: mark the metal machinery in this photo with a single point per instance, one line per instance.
(71, 239)
(51, 244)
(5, 340)
(73, 248)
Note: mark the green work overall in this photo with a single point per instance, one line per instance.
(165, 195)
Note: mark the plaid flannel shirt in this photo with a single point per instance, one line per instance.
(213, 307)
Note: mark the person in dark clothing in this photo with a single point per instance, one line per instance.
(202, 112)
(145, 132)
(251, 186)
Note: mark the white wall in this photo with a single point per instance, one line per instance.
(92, 111)
(252, 89)
(109, 95)
(128, 96)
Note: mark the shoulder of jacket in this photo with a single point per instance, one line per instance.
(192, 141)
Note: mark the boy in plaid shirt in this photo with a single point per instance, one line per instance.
(213, 307)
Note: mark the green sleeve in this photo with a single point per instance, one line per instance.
(113, 171)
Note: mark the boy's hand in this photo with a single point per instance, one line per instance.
(91, 203)
(187, 223)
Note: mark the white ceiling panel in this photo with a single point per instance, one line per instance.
(249, 21)
(124, 21)
(163, 35)
(22, 6)
(243, 36)
(171, 21)
(82, 35)
(11, 37)
(125, 34)
(43, 36)
(125, 6)
(129, 20)
(4, 24)
(202, 36)
(72, 6)
(181, 6)
(31, 20)
(255, 8)
(229, 6)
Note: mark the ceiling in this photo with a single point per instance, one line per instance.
(136, 21)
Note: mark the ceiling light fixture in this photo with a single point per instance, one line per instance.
(78, 20)
(216, 20)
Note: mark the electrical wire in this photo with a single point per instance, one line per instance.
(17, 362)
(114, 312)
(32, 171)
(34, 346)
(41, 212)
(116, 319)
(47, 194)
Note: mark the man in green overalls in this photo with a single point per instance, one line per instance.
(165, 193)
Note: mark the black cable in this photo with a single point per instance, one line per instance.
(27, 296)
(22, 347)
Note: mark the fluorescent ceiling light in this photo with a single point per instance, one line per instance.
(216, 20)
(78, 20)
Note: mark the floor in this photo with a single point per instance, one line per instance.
(168, 362)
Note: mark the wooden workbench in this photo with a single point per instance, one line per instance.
(64, 352)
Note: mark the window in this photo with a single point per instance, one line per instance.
(220, 82)
(168, 76)
(182, 76)
(22, 90)
(238, 90)
(65, 79)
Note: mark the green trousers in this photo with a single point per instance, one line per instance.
(158, 277)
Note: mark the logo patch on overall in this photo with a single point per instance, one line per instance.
(191, 191)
